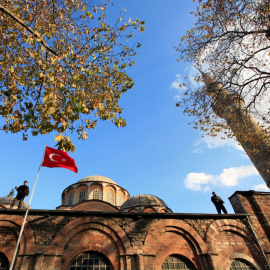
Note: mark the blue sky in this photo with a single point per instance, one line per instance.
(157, 152)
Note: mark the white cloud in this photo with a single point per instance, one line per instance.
(231, 176)
(192, 72)
(261, 187)
(179, 80)
(235, 53)
(176, 97)
(195, 181)
(228, 177)
(217, 141)
(208, 141)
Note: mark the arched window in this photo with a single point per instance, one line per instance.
(133, 210)
(241, 264)
(149, 210)
(120, 199)
(89, 261)
(177, 262)
(82, 196)
(110, 196)
(96, 194)
(4, 265)
(70, 199)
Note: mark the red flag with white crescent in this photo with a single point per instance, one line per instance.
(58, 158)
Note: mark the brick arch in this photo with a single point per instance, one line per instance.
(95, 205)
(219, 226)
(96, 186)
(120, 193)
(14, 223)
(244, 257)
(149, 210)
(69, 256)
(161, 262)
(177, 226)
(132, 210)
(79, 186)
(70, 190)
(110, 186)
(105, 225)
(170, 252)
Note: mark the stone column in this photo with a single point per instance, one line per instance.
(75, 196)
(116, 203)
(103, 193)
(49, 262)
(206, 261)
(140, 261)
(38, 264)
(25, 263)
(130, 262)
(88, 192)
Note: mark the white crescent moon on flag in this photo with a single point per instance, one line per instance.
(51, 157)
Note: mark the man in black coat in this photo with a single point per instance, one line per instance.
(218, 202)
(23, 191)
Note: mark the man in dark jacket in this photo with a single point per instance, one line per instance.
(218, 202)
(23, 191)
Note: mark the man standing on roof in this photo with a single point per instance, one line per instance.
(218, 202)
(23, 191)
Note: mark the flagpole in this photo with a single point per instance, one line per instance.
(26, 214)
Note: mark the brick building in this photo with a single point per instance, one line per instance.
(99, 226)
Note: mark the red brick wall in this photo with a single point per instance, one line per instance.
(257, 205)
(131, 241)
(91, 240)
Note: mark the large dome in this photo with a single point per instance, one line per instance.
(93, 193)
(97, 178)
(145, 201)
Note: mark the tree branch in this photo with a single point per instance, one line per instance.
(36, 34)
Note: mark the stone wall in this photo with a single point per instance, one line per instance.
(133, 241)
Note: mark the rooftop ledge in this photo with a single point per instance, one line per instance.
(121, 214)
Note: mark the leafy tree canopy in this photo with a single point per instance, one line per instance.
(231, 43)
(62, 67)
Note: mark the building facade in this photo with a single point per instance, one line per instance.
(99, 226)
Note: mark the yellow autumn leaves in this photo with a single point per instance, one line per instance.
(60, 72)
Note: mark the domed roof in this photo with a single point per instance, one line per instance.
(8, 201)
(92, 188)
(97, 178)
(143, 200)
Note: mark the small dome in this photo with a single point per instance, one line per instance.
(144, 200)
(97, 178)
(7, 201)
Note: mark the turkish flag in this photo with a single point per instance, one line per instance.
(58, 158)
